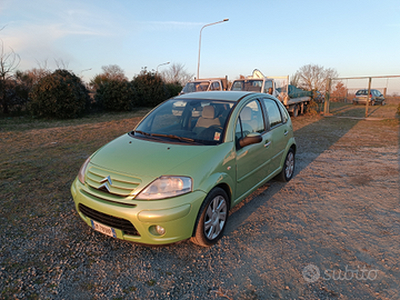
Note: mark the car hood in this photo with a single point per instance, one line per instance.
(146, 159)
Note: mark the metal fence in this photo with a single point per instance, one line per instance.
(341, 92)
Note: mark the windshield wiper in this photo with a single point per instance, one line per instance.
(142, 132)
(172, 136)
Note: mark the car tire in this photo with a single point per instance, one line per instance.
(288, 167)
(212, 218)
(295, 111)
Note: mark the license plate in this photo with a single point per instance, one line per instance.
(103, 229)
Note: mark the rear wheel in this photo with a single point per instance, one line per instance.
(288, 167)
(212, 218)
(295, 111)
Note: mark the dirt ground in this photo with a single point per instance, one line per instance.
(332, 232)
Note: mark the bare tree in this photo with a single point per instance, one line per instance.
(176, 74)
(339, 92)
(31, 77)
(314, 77)
(110, 73)
(114, 72)
(61, 64)
(9, 62)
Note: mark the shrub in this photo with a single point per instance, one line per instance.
(15, 96)
(116, 95)
(173, 89)
(150, 89)
(59, 95)
(313, 108)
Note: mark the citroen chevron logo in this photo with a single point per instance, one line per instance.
(106, 183)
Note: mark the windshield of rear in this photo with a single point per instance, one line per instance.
(200, 86)
(361, 92)
(196, 121)
(251, 85)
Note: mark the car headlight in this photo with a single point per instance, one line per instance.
(82, 171)
(166, 187)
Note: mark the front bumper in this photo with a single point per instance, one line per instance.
(136, 222)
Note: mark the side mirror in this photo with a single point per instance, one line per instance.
(252, 138)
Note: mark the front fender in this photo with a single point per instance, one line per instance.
(219, 179)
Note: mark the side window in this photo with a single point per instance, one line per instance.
(284, 112)
(250, 120)
(273, 112)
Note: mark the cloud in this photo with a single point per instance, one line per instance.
(166, 25)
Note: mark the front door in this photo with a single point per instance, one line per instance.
(252, 160)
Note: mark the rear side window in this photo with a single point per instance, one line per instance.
(273, 112)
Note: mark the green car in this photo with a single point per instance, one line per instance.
(184, 166)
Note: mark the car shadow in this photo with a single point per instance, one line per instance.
(312, 140)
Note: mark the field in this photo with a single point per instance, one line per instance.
(333, 232)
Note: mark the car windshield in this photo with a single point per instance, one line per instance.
(195, 121)
(247, 85)
(199, 86)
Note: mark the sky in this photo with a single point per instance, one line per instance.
(356, 38)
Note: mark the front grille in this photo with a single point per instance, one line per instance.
(118, 223)
(122, 185)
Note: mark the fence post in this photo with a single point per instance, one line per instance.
(369, 92)
(328, 93)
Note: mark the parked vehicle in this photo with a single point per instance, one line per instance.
(177, 175)
(294, 99)
(204, 85)
(374, 97)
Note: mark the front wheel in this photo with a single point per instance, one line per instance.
(212, 218)
(288, 167)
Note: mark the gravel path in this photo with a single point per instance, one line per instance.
(333, 232)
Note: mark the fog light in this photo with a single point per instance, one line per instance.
(160, 230)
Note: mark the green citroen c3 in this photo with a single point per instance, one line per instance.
(184, 166)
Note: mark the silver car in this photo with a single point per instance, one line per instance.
(375, 97)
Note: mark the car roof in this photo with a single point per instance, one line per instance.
(367, 90)
(216, 95)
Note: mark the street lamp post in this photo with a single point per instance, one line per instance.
(198, 61)
(163, 64)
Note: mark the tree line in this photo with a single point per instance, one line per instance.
(62, 94)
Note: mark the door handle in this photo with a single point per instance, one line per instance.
(267, 144)
(285, 133)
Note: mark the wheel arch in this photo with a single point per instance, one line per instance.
(227, 189)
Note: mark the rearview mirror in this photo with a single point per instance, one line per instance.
(252, 138)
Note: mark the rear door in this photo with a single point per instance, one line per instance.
(278, 133)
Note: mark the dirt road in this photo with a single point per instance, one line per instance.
(333, 232)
